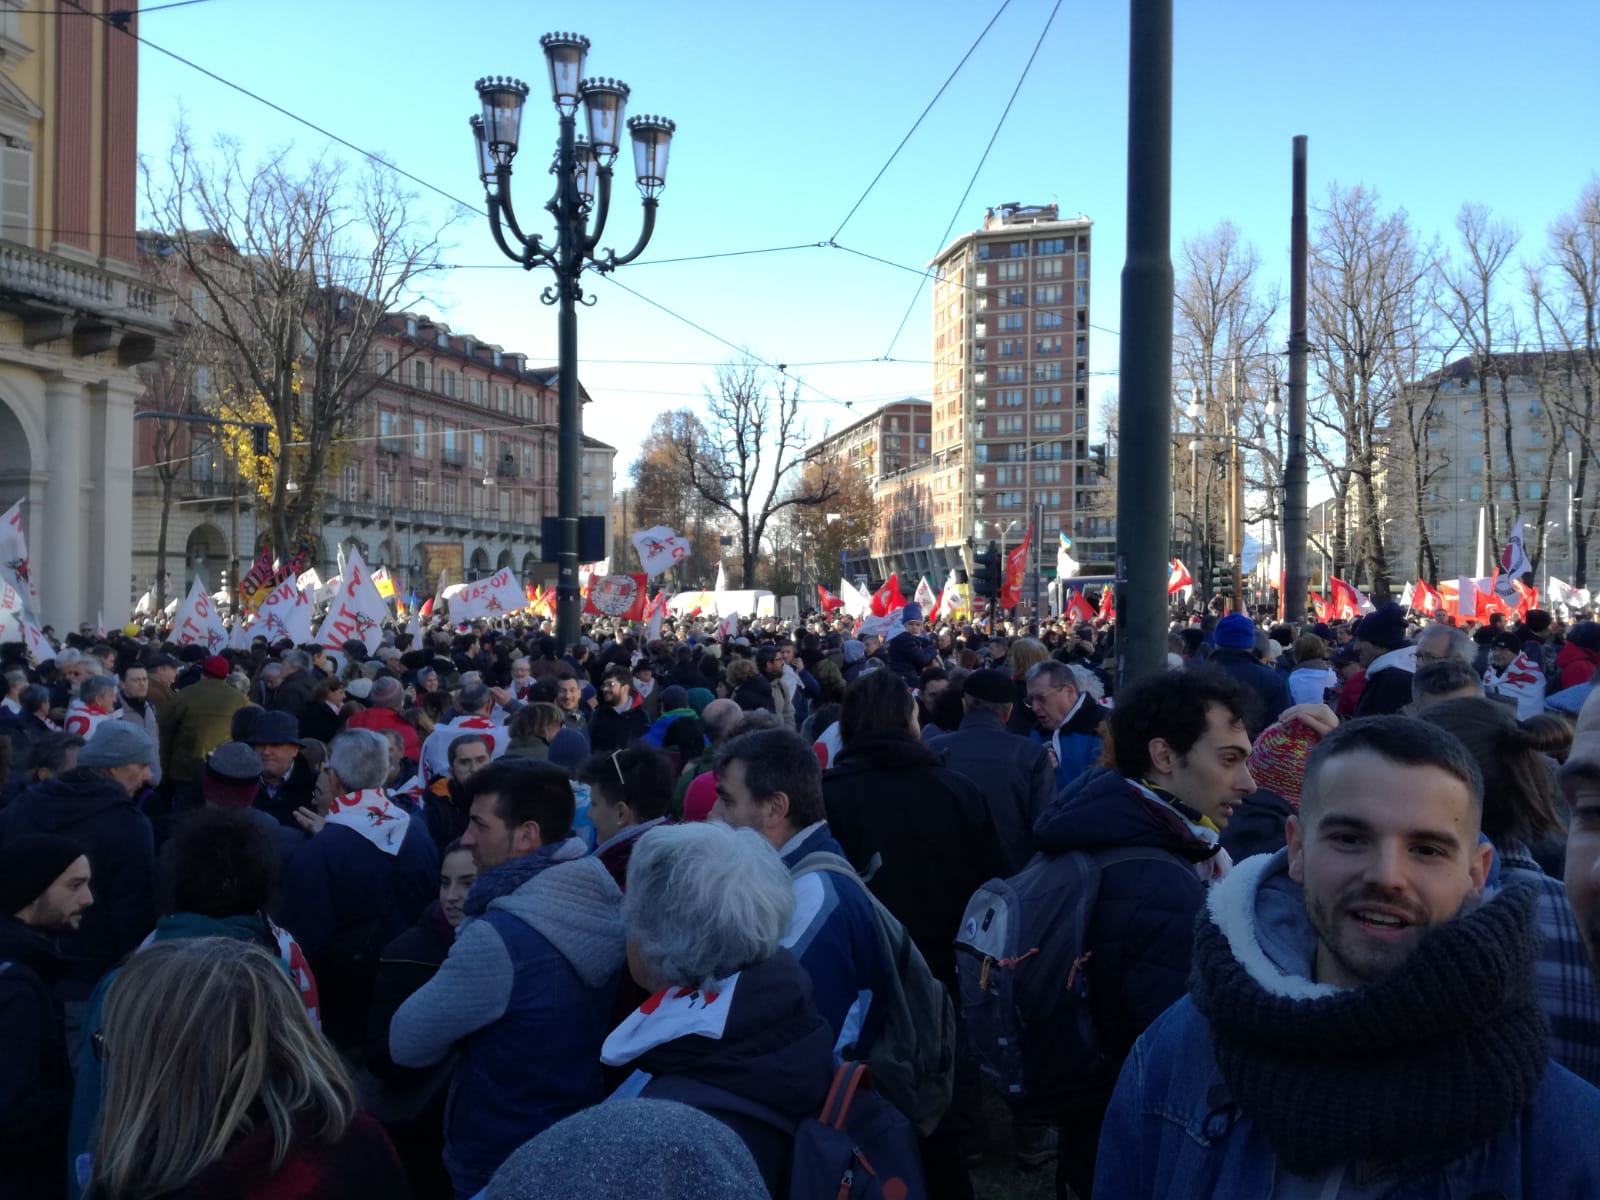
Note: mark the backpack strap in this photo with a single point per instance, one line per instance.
(709, 1097)
(849, 1077)
(1105, 858)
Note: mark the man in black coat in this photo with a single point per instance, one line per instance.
(44, 890)
(1390, 662)
(1012, 772)
(1235, 656)
(620, 719)
(93, 804)
(1180, 774)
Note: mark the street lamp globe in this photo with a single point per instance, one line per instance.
(605, 101)
(502, 99)
(586, 170)
(652, 139)
(565, 54)
(485, 159)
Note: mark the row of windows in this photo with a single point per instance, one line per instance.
(423, 376)
(1013, 425)
(1041, 246)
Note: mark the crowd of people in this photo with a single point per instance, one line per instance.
(476, 913)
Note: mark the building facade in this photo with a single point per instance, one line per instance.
(892, 450)
(1011, 313)
(450, 468)
(1524, 413)
(76, 315)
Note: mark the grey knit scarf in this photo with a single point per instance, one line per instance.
(513, 873)
(1408, 1072)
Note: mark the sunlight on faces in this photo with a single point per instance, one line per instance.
(1050, 702)
(1214, 776)
(1386, 852)
(736, 806)
(491, 841)
(1580, 782)
(568, 693)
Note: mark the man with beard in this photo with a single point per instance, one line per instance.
(1362, 1017)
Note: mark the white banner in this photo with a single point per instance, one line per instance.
(357, 611)
(659, 550)
(925, 597)
(495, 596)
(285, 613)
(856, 602)
(197, 622)
(15, 568)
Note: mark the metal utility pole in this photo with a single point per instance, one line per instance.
(1038, 561)
(1235, 487)
(1296, 516)
(1144, 407)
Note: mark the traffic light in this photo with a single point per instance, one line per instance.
(986, 573)
(1098, 450)
(259, 442)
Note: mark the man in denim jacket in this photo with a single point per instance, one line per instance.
(1361, 1020)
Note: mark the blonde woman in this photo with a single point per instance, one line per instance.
(218, 1085)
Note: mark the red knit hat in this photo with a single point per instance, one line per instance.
(1278, 759)
(215, 667)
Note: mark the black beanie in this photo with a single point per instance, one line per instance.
(30, 864)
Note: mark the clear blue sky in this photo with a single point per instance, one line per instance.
(786, 112)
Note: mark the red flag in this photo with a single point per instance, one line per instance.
(888, 598)
(1319, 606)
(1427, 600)
(1527, 598)
(1108, 603)
(1078, 608)
(1016, 567)
(1178, 576)
(427, 607)
(1344, 600)
(828, 600)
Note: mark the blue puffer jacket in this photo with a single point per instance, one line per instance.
(835, 936)
(1081, 742)
(1142, 930)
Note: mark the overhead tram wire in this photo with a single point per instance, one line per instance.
(1000, 124)
(949, 79)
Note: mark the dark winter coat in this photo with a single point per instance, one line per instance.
(406, 964)
(292, 695)
(297, 790)
(93, 809)
(1267, 692)
(1013, 774)
(1142, 930)
(1257, 825)
(321, 721)
(610, 730)
(344, 900)
(918, 832)
(359, 1166)
(35, 1078)
(774, 1050)
(908, 656)
(754, 693)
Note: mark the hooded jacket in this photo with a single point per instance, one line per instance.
(1143, 921)
(197, 720)
(764, 1043)
(1388, 686)
(1177, 1126)
(92, 808)
(1576, 664)
(918, 833)
(526, 992)
(1267, 690)
(1014, 774)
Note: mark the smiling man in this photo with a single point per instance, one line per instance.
(1362, 1017)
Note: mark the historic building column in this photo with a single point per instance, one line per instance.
(108, 515)
(61, 552)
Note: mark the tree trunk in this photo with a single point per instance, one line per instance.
(159, 590)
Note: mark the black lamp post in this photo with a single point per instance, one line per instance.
(582, 169)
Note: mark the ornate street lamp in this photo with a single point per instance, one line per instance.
(583, 168)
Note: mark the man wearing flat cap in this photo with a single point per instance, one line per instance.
(93, 804)
(44, 890)
(1013, 772)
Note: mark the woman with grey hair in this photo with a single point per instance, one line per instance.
(731, 1025)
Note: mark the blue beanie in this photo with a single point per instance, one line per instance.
(911, 612)
(1235, 632)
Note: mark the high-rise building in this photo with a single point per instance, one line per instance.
(1010, 420)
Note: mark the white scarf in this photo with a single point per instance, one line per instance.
(370, 814)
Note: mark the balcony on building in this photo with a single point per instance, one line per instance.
(453, 456)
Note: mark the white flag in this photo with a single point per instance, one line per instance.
(1514, 564)
(357, 611)
(925, 597)
(496, 596)
(15, 567)
(728, 627)
(239, 638)
(659, 550)
(1066, 565)
(285, 613)
(655, 612)
(856, 603)
(197, 623)
(722, 579)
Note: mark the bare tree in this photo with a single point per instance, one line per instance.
(1565, 289)
(169, 387)
(663, 495)
(1470, 302)
(286, 275)
(756, 441)
(1365, 266)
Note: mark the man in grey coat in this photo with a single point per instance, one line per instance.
(1014, 773)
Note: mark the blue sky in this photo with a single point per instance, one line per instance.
(786, 112)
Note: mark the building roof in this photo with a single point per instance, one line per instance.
(1519, 363)
(1008, 220)
(875, 414)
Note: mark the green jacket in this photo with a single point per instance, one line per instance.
(197, 720)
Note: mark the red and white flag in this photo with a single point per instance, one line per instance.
(497, 596)
(1514, 564)
(1426, 599)
(1178, 577)
(15, 567)
(655, 612)
(285, 612)
(659, 550)
(197, 622)
(619, 596)
(926, 598)
(1347, 603)
(1108, 603)
(1078, 608)
(887, 598)
(728, 627)
(827, 600)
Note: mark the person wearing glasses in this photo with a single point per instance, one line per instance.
(1068, 717)
(44, 890)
